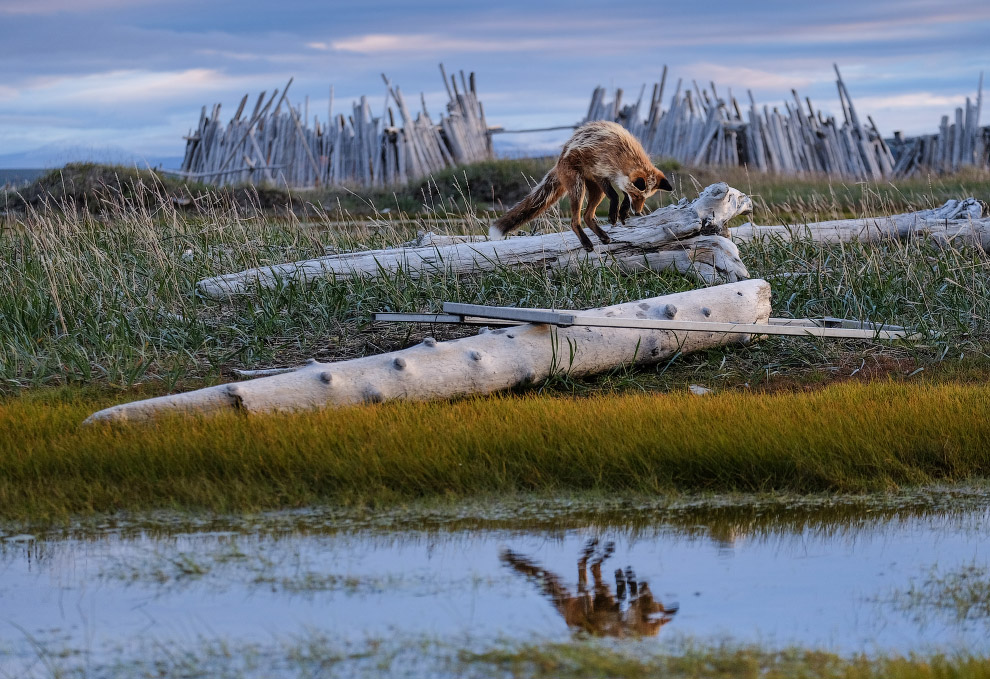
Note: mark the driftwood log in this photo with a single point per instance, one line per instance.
(484, 363)
(958, 221)
(685, 237)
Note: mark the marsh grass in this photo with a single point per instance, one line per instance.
(103, 300)
(847, 437)
(251, 566)
(798, 200)
(105, 293)
(721, 517)
(322, 654)
(108, 295)
(961, 594)
(577, 659)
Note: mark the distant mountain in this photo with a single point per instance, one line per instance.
(57, 155)
(19, 177)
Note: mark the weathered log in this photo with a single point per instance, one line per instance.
(668, 238)
(490, 361)
(958, 221)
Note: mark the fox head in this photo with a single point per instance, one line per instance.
(644, 183)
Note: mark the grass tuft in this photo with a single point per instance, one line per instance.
(962, 593)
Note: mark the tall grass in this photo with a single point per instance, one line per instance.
(788, 199)
(847, 437)
(107, 294)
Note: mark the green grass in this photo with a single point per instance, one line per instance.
(566, 660)
(478, 187)
(487, 184)
(107, 295)
(788, 200)
(848, 437)
(103, 300)
(321, 654)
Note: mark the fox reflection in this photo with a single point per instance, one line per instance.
(630, 611)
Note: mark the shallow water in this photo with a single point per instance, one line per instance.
(835, 583)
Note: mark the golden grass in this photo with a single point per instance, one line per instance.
(466, 658)
(575, 659)
(847, 437)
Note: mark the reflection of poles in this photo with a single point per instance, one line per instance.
(630, 611)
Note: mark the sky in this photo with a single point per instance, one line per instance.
(133, 74)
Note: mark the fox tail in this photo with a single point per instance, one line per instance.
(541, 199)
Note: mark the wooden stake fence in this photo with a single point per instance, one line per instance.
(277, 145)
(700, 127)
(957, 145)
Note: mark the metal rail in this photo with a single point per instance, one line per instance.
(479, 314)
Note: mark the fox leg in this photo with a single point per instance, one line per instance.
(620, 584)
(575, 191)
(613, 201)
(595, 196)
(624, 208)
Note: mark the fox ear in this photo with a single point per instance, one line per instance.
(662, 182)
(640, 183)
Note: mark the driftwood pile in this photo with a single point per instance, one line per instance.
(960, 144)
(700, 127)
(276, 144)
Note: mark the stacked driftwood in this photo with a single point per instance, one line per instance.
(962, 143)
(700, 127)
(278, 144)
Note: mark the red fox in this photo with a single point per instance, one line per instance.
(598, 155)
(598, 611)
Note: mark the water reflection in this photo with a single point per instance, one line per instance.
(845, 574)
(629, 611)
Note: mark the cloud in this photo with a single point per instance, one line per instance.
(907, 100)
(129, 86)
(126, 65)
(373, 43)
(270, 57)
(892, 27)
(742, 78)
(912, 112)
(34, 7)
